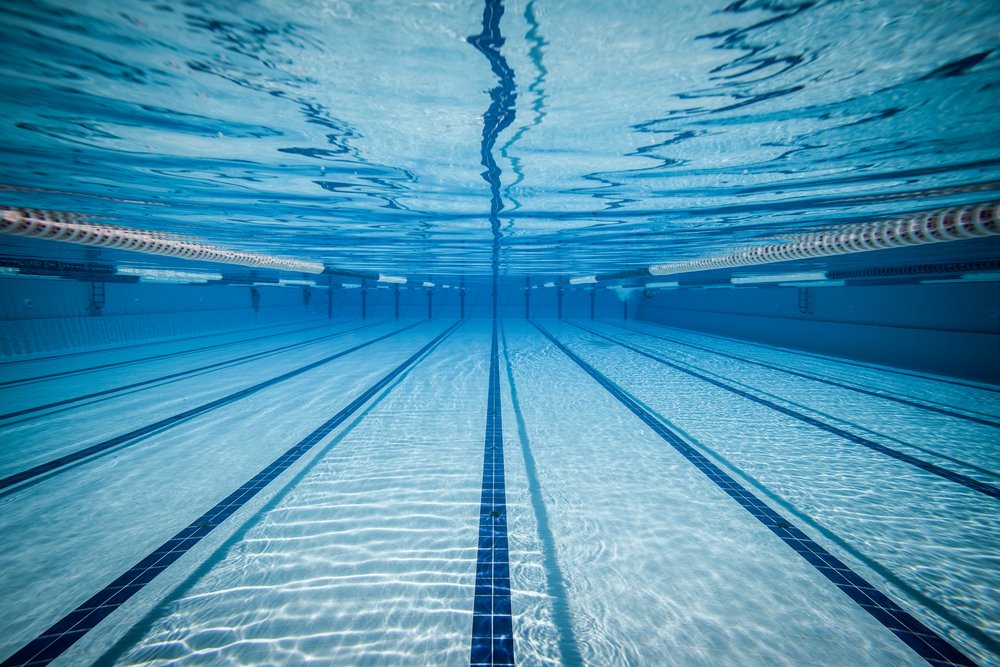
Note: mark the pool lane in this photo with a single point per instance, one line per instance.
(109, 512)
(53, 441)
(924, 641)
(369, 558)
(12, 399)
(926, 540)
(75, 625)
(813, 377)
(905, 426)
(29, 371)
(973, 398)
(796, 411)
(659, 565)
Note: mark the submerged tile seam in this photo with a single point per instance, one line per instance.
(926, 466)
(815, 378)
(492, 624)
(180, 374)
(165, 355)
(54, 641)
(134, 436)
(924, 641)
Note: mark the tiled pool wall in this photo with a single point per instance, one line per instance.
(48, 315)
(945, 328)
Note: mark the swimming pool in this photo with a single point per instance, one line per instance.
(499, 333)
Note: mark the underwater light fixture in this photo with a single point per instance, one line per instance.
(168, 275)
(582, 280)
(813, 276)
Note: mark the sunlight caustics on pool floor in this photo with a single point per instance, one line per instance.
(456, 492)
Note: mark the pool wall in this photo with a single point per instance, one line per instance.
(945, 328)
(42, 315)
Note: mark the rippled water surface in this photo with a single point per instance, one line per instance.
(579, 137)
(189, 478)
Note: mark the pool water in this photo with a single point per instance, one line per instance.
(622, 549)
(413, 357)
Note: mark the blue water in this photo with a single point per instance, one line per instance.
(381, 136)
(208, 464)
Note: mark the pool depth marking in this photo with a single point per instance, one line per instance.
(951, 476)
(67, 631)
(492, 625)
(165, 355)
(924, 641)
(815, 378)
(163, 378)
(132, 436)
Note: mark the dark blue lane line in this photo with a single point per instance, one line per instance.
(867, 367)
(924, 641)
(132, 437)
(191, 371)
(555, 583)
(165, 355)
(816, 378)
(950, 475)
(492, 625)
(68, 630)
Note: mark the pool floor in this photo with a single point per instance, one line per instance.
(449, 492)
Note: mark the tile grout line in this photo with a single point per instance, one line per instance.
(924, 641)
(54, 641)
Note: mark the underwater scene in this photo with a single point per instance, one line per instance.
(500, 332)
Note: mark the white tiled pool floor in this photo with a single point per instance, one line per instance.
(361, 546)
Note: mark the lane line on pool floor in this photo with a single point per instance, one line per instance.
(950, 475)
(180, 374)
(924, 641)
(165, 355)
(856, 364)
(136, 435)
(815, 378)
(59, 637)
(492, 624)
